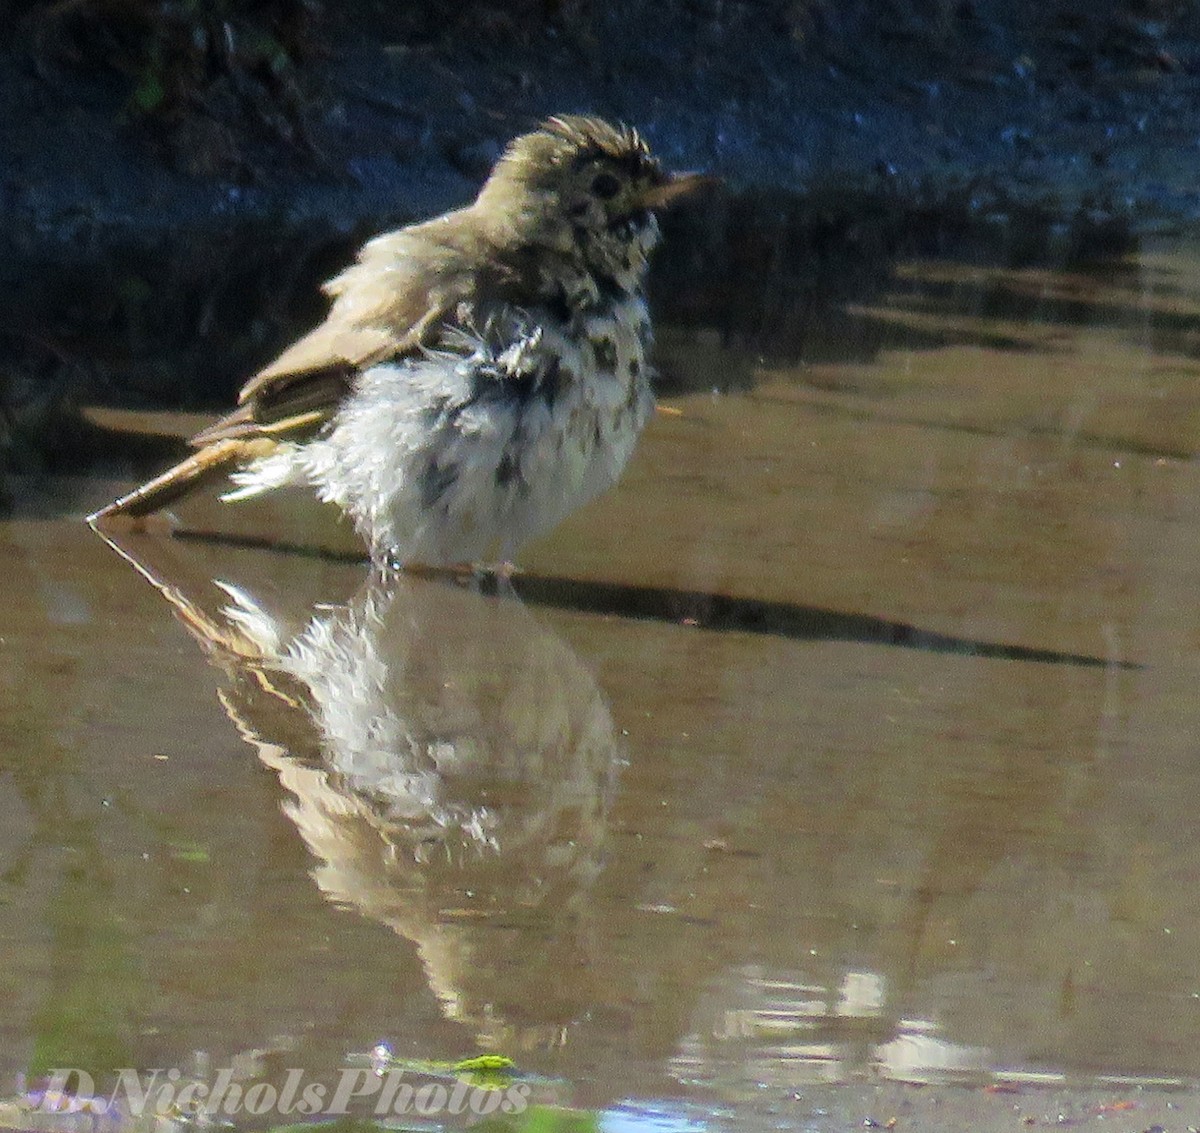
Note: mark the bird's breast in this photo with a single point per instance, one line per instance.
(603, 351)
(615, 341)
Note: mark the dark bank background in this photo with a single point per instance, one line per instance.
(178, 176)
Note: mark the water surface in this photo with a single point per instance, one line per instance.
(853, 736)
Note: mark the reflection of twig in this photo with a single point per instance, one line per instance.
(263, 543)
(720, 613)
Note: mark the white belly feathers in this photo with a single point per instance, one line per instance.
(481, 445)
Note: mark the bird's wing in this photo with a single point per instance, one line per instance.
(386, 305)
(292, 412)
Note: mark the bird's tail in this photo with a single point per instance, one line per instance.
(216, 459)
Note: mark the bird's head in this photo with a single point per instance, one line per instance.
(585, 188)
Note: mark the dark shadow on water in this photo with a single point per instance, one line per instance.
(720, 613)
(725, 613)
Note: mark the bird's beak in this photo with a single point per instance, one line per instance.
(675, 186)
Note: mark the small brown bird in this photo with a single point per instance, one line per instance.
(479, 376)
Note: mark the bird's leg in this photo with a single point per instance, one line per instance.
(504, 570)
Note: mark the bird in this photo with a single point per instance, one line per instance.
(479, 376)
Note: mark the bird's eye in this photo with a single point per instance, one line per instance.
(606, 186)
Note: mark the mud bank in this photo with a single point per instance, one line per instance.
(153, 263)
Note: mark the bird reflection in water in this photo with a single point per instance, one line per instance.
(449, 761)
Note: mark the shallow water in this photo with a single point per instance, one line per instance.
(853, 735)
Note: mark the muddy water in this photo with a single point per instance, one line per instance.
(853, 735)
